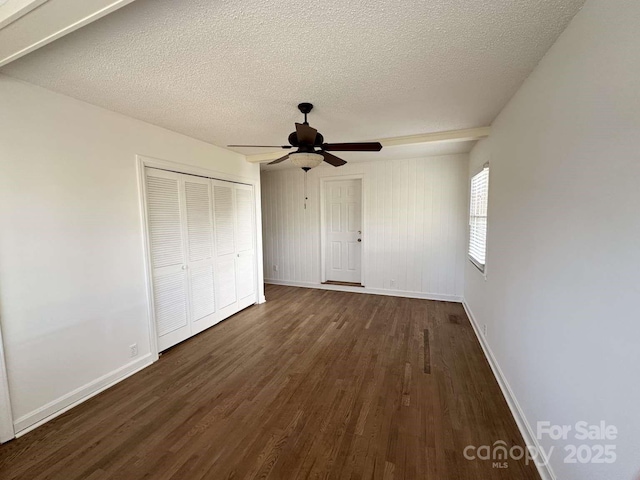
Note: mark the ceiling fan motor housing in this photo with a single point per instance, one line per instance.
(293, 140)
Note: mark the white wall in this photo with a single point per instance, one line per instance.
(72, 272)
(414, 224)
(563, 268)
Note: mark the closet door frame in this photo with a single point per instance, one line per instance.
(143, 162)
(7, 431)
(243, 302)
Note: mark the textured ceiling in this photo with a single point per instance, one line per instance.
(234, 71)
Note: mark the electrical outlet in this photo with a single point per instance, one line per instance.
(133, 350)
(392, 283)
(275, 268)
(484, 329)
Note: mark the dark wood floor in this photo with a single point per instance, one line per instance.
(312, 384)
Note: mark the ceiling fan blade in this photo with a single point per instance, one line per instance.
(281, 159)
(332, 159)
(259, 146)
(353, 147)
(306, 134)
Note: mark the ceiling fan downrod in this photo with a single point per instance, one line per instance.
(305, 108)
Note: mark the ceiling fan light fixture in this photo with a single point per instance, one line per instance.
(306, 159)
(307, 138)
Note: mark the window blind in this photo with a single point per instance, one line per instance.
(478, 217)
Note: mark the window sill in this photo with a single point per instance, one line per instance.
(481, 268)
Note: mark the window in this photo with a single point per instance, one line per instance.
(478, 218)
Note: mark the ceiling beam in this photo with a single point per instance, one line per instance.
(11, 11)
(27, 25)
(451, 136)
(466, 135)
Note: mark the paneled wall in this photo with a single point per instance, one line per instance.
(414, 225)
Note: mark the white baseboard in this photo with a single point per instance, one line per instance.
(544, 469)
(57, 407)
(372, 291)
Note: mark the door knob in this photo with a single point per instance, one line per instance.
(184, 267)
(359, 240)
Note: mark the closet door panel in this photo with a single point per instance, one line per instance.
(202, 292)
(225, 246)
(200, 246)
(199, 221)
(170, 299)
(165, 229)
(246, 281)
(226, 268)
(168, 263)
(244, 217)
(224, 208)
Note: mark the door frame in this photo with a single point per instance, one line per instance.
(323, 234)
(143, 162)
(7, 431)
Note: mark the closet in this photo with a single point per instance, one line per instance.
(201, 235)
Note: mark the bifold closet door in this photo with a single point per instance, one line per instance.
(234, 228)
(165, 214)
(225, 242)
(200, 252)
(182, 254)
(201, 237)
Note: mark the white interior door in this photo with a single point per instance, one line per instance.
(343, 231)
(225, 245)
(166, 212)
(245, 250)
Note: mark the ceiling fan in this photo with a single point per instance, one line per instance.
(306, 139)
